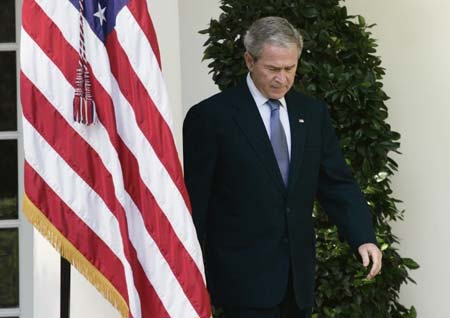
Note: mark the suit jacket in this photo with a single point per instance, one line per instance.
(253, 229)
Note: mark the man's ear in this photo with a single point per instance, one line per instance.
(249, 60)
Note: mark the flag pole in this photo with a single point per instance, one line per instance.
(65, 288)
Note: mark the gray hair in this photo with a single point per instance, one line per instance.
(274, 31)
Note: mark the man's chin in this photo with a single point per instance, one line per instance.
(277, 95)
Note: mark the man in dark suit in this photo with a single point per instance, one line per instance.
(256, 156)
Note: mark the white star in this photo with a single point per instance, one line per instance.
(100, 14)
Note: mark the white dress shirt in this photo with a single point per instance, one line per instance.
(264, 111)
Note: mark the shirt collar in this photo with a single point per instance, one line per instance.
(259, 98)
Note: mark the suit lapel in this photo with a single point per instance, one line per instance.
(297, 122)
(249, 120)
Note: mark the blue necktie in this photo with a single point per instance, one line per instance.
(278, 139)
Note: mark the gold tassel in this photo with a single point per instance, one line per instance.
(69, 252)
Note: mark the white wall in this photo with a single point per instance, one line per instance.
(86, 301)
(413, 37)
(196, 82)
(414, 47)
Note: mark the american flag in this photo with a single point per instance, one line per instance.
(110, 195)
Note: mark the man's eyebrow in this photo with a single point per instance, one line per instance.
(279, 67)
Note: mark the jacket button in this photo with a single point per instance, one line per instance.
(285, 239)
(288, 210)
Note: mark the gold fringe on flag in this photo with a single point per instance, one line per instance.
(70, 252)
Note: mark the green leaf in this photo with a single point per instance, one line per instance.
(310, 12)
(410, 263)
(361, 20)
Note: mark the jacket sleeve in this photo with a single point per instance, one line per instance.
(199, 149)
(339, 194)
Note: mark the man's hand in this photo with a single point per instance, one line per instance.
(370, 252)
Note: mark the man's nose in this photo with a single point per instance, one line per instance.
(281, 76)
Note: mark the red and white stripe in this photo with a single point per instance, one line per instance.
(119, 182)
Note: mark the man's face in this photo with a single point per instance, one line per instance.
(274, 72)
